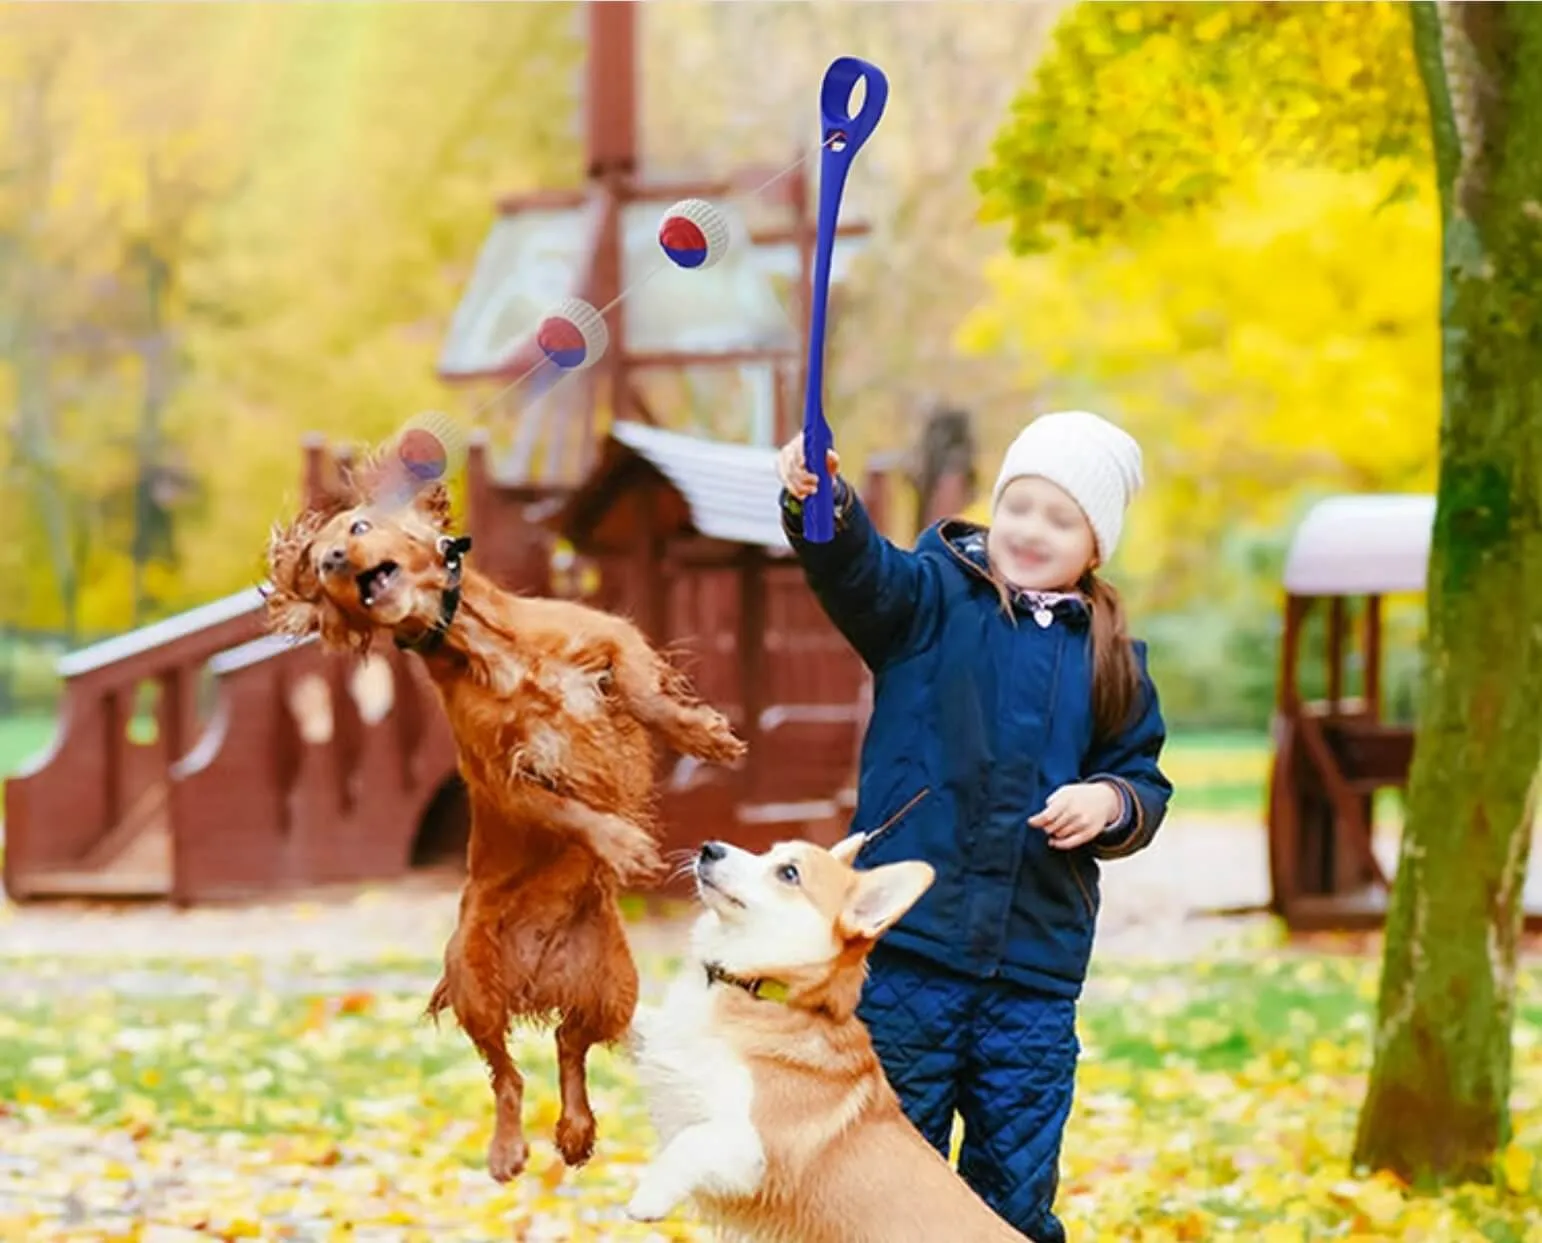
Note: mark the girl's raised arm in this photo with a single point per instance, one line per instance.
(882, 598)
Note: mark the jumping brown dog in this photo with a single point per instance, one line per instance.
(551, 704)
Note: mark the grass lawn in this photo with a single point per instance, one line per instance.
(1223, 773)
(1216, 1102)
(21, 737)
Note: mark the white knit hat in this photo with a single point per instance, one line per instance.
(1098, 464)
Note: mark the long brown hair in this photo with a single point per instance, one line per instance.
(1115, 671)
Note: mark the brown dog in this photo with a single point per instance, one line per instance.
(551, 704)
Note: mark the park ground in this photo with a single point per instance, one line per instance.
(264, 1071)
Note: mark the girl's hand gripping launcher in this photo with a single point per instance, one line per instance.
(841, 138)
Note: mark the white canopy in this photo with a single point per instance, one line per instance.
(1361, 545)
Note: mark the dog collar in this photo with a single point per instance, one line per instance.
(454, 551)
(761, 990)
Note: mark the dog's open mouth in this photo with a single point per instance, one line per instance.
(377, 581)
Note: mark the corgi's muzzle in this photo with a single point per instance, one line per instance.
(711, 885)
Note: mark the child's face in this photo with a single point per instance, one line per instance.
(1039, 538)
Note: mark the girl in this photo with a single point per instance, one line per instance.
(1014, 742)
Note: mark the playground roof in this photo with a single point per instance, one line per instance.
(1361, 545)
(730, 491)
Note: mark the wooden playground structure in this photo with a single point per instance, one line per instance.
(268, 765)
(1333, 755)
(274, 766)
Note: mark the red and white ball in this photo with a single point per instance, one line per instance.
(573, 335)
(694, 234)
(431, 447)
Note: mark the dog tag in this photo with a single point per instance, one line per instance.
(1043, 616)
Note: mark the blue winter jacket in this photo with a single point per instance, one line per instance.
(977, 718)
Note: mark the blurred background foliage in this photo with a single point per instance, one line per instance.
(222, 227)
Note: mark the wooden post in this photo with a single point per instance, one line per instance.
(176, 713)
(610, 137)
(782, 418)
(1373, 657)
(610, 374)
(649, 585)
(752, 640)
(875, 496)
(478, 490)
(342, 463)
(115, 719)
(1288, 695)
(949, 499)
(314, 469)
(610, 87)
(1335, 654)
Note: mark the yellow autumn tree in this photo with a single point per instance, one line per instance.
(349, 158)
(384, 136)
(1191, 99)
(1203, 245)
(1276, 342)
(101, 187)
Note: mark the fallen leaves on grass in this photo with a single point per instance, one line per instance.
(1216, 1102)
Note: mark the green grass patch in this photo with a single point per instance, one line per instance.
(1218, 772)
(22, 737)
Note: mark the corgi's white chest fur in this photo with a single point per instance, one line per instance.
(691, 1074)
(700, 1094)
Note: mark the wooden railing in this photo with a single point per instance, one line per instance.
(268, 764)
(90, 813)
(314, 769)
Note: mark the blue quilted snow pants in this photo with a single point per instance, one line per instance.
(1002, 1057)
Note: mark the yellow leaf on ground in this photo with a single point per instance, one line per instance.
(1518, 1165)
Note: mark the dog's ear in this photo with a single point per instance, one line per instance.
(845, 851)
(882, 896)
(433, 503)
(293, 589)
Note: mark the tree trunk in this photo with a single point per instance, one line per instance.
(149, 453)
(31, 344)
(1436, 1110)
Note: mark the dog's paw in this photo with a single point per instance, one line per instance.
(506, 1157)
(628, 848)
(638, 858)
(575, 1138)
(716, 741)
(649, 1203)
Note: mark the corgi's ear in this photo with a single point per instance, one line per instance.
(882, 896)
(845, 850)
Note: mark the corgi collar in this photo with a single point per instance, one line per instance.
(762, 990)
(453, 550)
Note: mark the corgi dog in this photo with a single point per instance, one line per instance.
(772, 1111)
